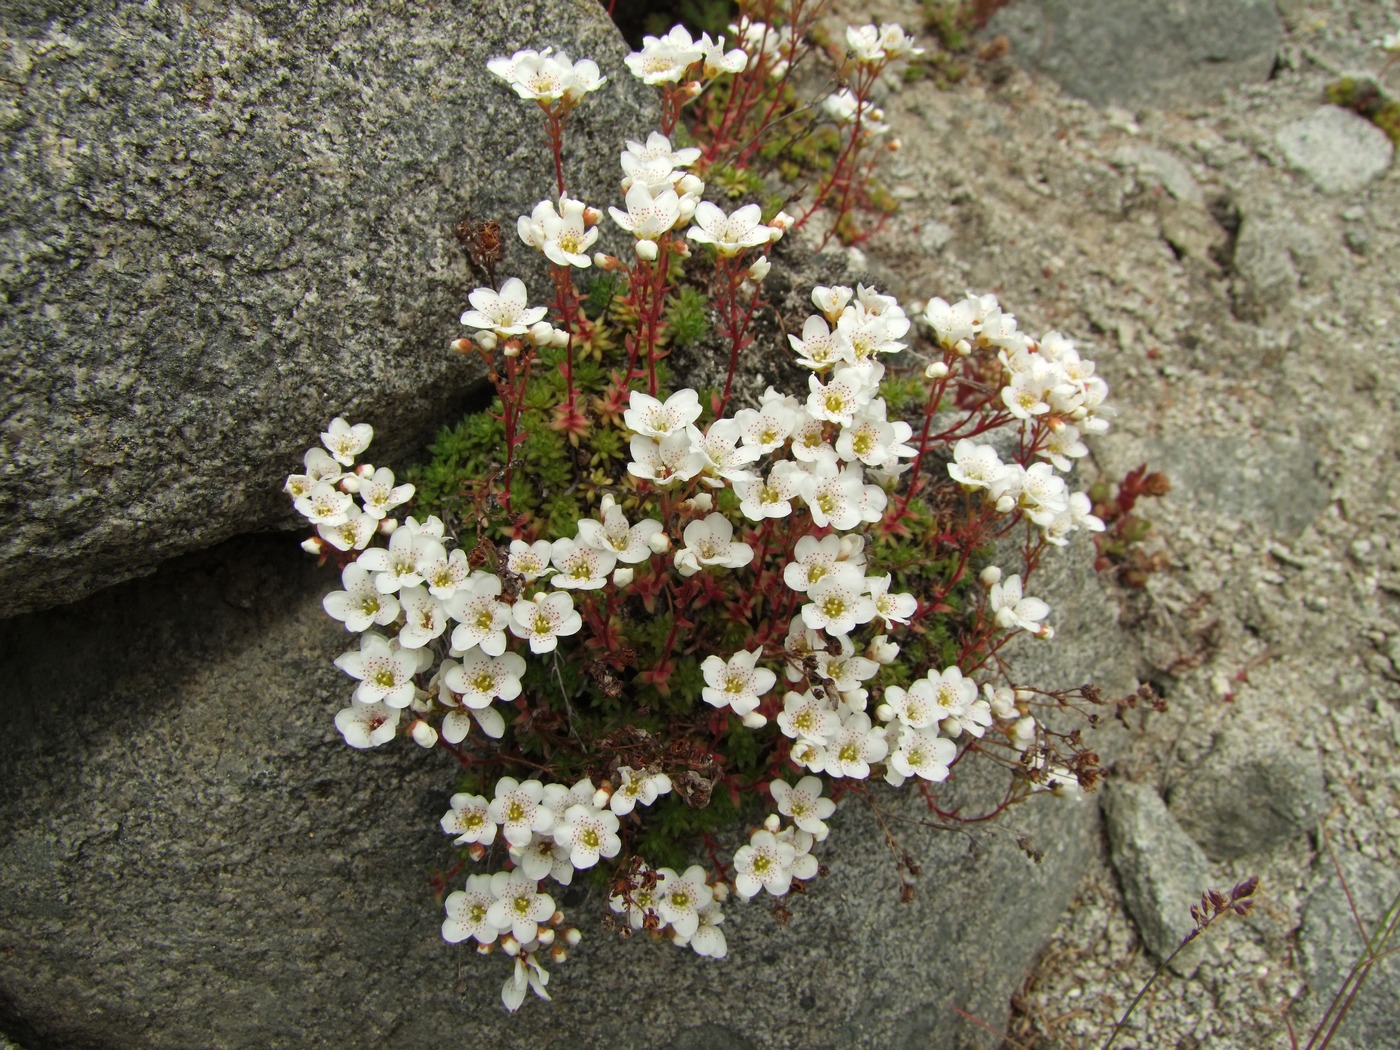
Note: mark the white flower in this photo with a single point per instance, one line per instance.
(890, 608)
(517, 809)
(953, 325)
(380, 495)
(564, 235)
(803, 802)
(367, 725)
(640, 162)
(730, 234)
(467, 912)
(385, 670)
(723, 457)
(922, 753)
(630, 544)
(545, 620)
(444, 575)
(719, 61)
(855, 747)
(710, 543)
(529, 560)
(425, 617)
(503, 312)
(975, 466)
(708, 939)
(345, 441)
(1012, 610)
(360, 605)
(764, 864)
(651, 418)
(770, 498)
(737, 683)
(469, 821)
(916, 707)
(589, 833)
(637, 787)
(528, 973)
(519, 906)
(581, 567)
(682, 898)
(806, 718)
(325, 505)
(768, 427)
(648, 217)
(668, 460)
(481, 678)
(320, 466)
(481, 616)
(664, 59)
(814, 558)
(547, 76)
(836, 607)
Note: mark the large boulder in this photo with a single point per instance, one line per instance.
(225, 223)
(191, 856)
(1135, 53)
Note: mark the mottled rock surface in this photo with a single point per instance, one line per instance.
(225, 224)
(191, 856)
(1127, 51)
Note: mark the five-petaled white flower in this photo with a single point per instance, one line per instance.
(711, 543)
(738, 684)
(385, 669)
(637, 787)
(730, 234)
(803, 802)
(589, 833)
(346, 441)
(543, 620)
(467, 912)
(519, 905)
(503, 312)
(469, 820)
(664, 59)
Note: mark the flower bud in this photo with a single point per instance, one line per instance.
(558, 954)
(485, 949)
(556, 918)
(1023, 733)
(486, 340)
(754, 720)
(592, 216)
(476, 851)
(607, 503)
(659, 543)
(687, 212)
(512, 348)
(850, 547)
(693, 89)
(772, 823)
(884, 712)
(962, 348)
(601, 796)
(313, 545)
(423, 734)
(623, 575)
(990, 576)
(721, 891)
(759, 270)
(349, 483)
(545, 937)
(510, 945)
(541, 333)
(937, 370)
(690, 186)
(605, 262)
(894, 145)
(647, 250)
(572, 937)
(882, 650)
(387, 526)
(782, 221)
(1046, 631)
(462, 346)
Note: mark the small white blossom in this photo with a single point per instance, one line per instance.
(517, 808)
(503, 312)
(803, 802)
(711, 543)
(545, 620)
(469, 820)
(346, 441)
(467, 912)
(637, 787)
(367, 725)
(360, 606)
(730, 234)
(738, 683)
(519, 906)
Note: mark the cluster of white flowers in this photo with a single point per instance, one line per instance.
(825, 458)
(1042, 379)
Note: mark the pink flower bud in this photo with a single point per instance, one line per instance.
(387, 526)
(592, 216)
(423, 734)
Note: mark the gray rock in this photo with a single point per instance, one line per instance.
(225, 224)
(1277, 262)
(1152, 164)
(1252, 792)
(1162, 872)
(1331, 945)
(1340, 151)
(1160, 54)
(190, 856)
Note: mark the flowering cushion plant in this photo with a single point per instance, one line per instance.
(681, 611)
